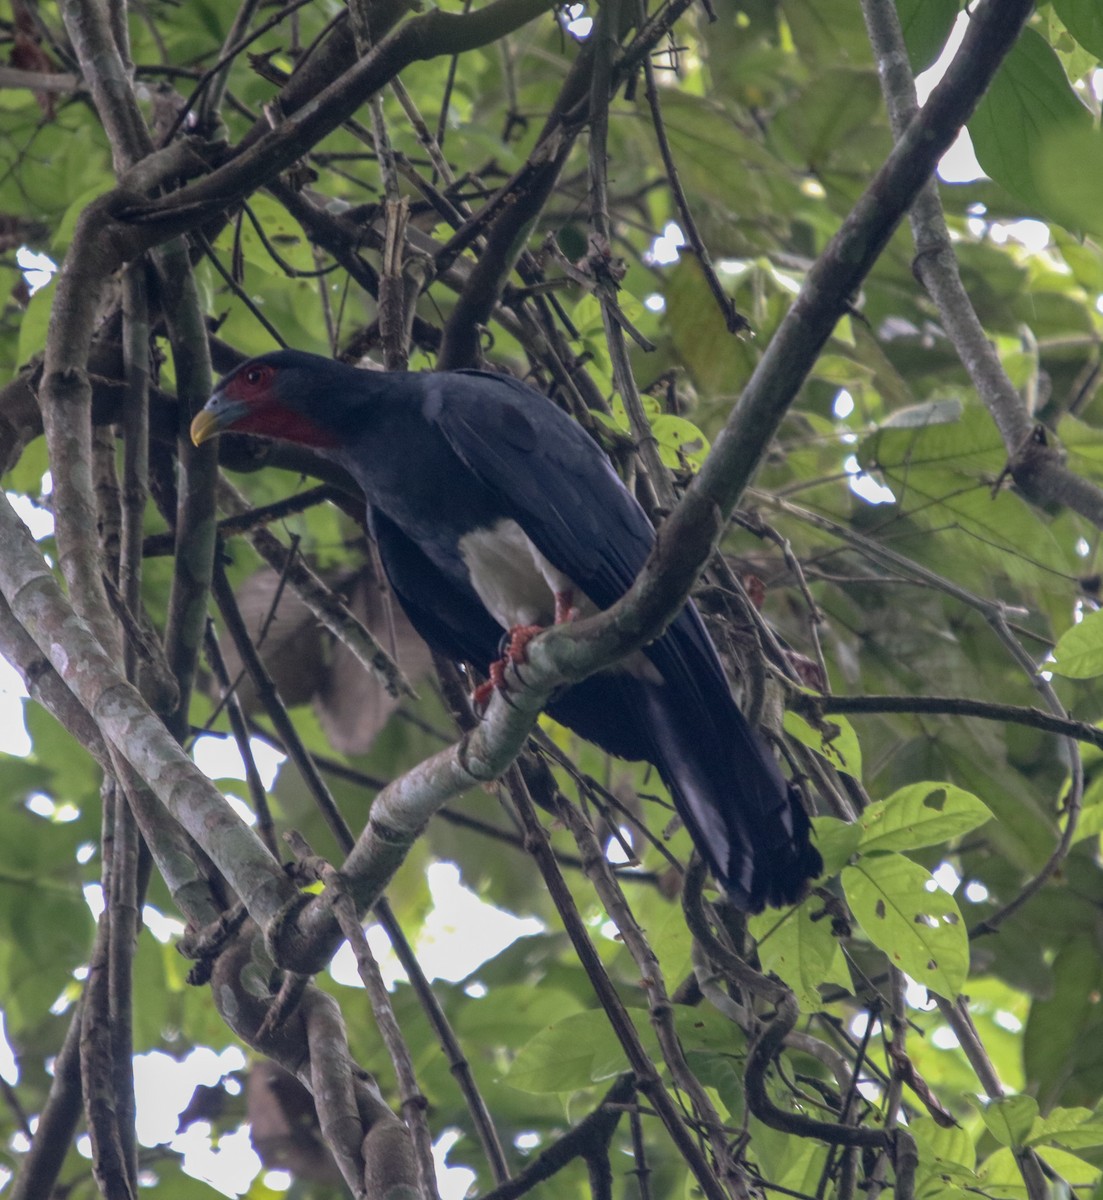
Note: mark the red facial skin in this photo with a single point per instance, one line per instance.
(255, 386)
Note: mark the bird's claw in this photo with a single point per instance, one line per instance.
(513, 654)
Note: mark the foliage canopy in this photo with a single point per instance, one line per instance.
(651, 215)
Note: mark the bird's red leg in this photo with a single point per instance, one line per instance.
(480, 697)
(564, 607)
(519, 638)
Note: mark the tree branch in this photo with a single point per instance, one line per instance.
(1034, 462)
(952, 706)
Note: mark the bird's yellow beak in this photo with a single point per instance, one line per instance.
(204, 427)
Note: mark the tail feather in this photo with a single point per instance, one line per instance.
(746, 821)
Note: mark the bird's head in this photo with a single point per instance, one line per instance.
(280, 395)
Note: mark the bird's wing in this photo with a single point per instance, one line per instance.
(548, 475)
(556, 484)
(559, 486)
(443, 608)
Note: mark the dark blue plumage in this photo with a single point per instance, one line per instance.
(487, 502)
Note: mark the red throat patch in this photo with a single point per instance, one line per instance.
(273, 420)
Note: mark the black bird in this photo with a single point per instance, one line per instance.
(493, 510)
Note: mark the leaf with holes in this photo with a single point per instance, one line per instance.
(921, 814)
(904, 913)
(681, 444)
(834, 739)
(1084, 20)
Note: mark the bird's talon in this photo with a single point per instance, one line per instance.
(480, 697)
(519, 638)
(512, 649)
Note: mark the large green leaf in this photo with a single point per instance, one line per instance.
(921, 814)
(904, 913)
(800, 948)
(942, 1151)
(1010, 1118)
(1073, 1128)
(1079, 651)
(1063, 1039)
(836, 741)
(1001, 1175)
(574, 1053)
(944, 473)
(1034, 135)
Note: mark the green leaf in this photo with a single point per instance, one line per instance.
(511, 1015)
(1090, 823)
(1034, 135)
(1074, 1128)
(836, 841)
(942, 474)
(921, 814)
(826, 32)
(1063, 1039)
(681, 443)
(944, 411)
(571, 1054)
(904, 913)
(799, 950)
(1084, 20)
(835, 740)
(823, 124)
(285, 239)
(716, 1048)
(1010, 1118)
(32, 328)
(942, 1152)
(926, 25)
(1079, 651)
(718, 361)
(1000, 1174)
(804, 1168)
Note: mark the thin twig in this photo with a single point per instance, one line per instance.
(952, 706)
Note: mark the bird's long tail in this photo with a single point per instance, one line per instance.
(745, 819)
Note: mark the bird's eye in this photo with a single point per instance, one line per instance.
(253, 376)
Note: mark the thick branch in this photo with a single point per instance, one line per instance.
(128, 724)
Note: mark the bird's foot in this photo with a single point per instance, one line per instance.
(480, 697)
(513, 653)
(519, 638)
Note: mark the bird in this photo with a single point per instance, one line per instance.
(496, 514)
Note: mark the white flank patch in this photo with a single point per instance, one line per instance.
(518, 585)
(513, 579)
